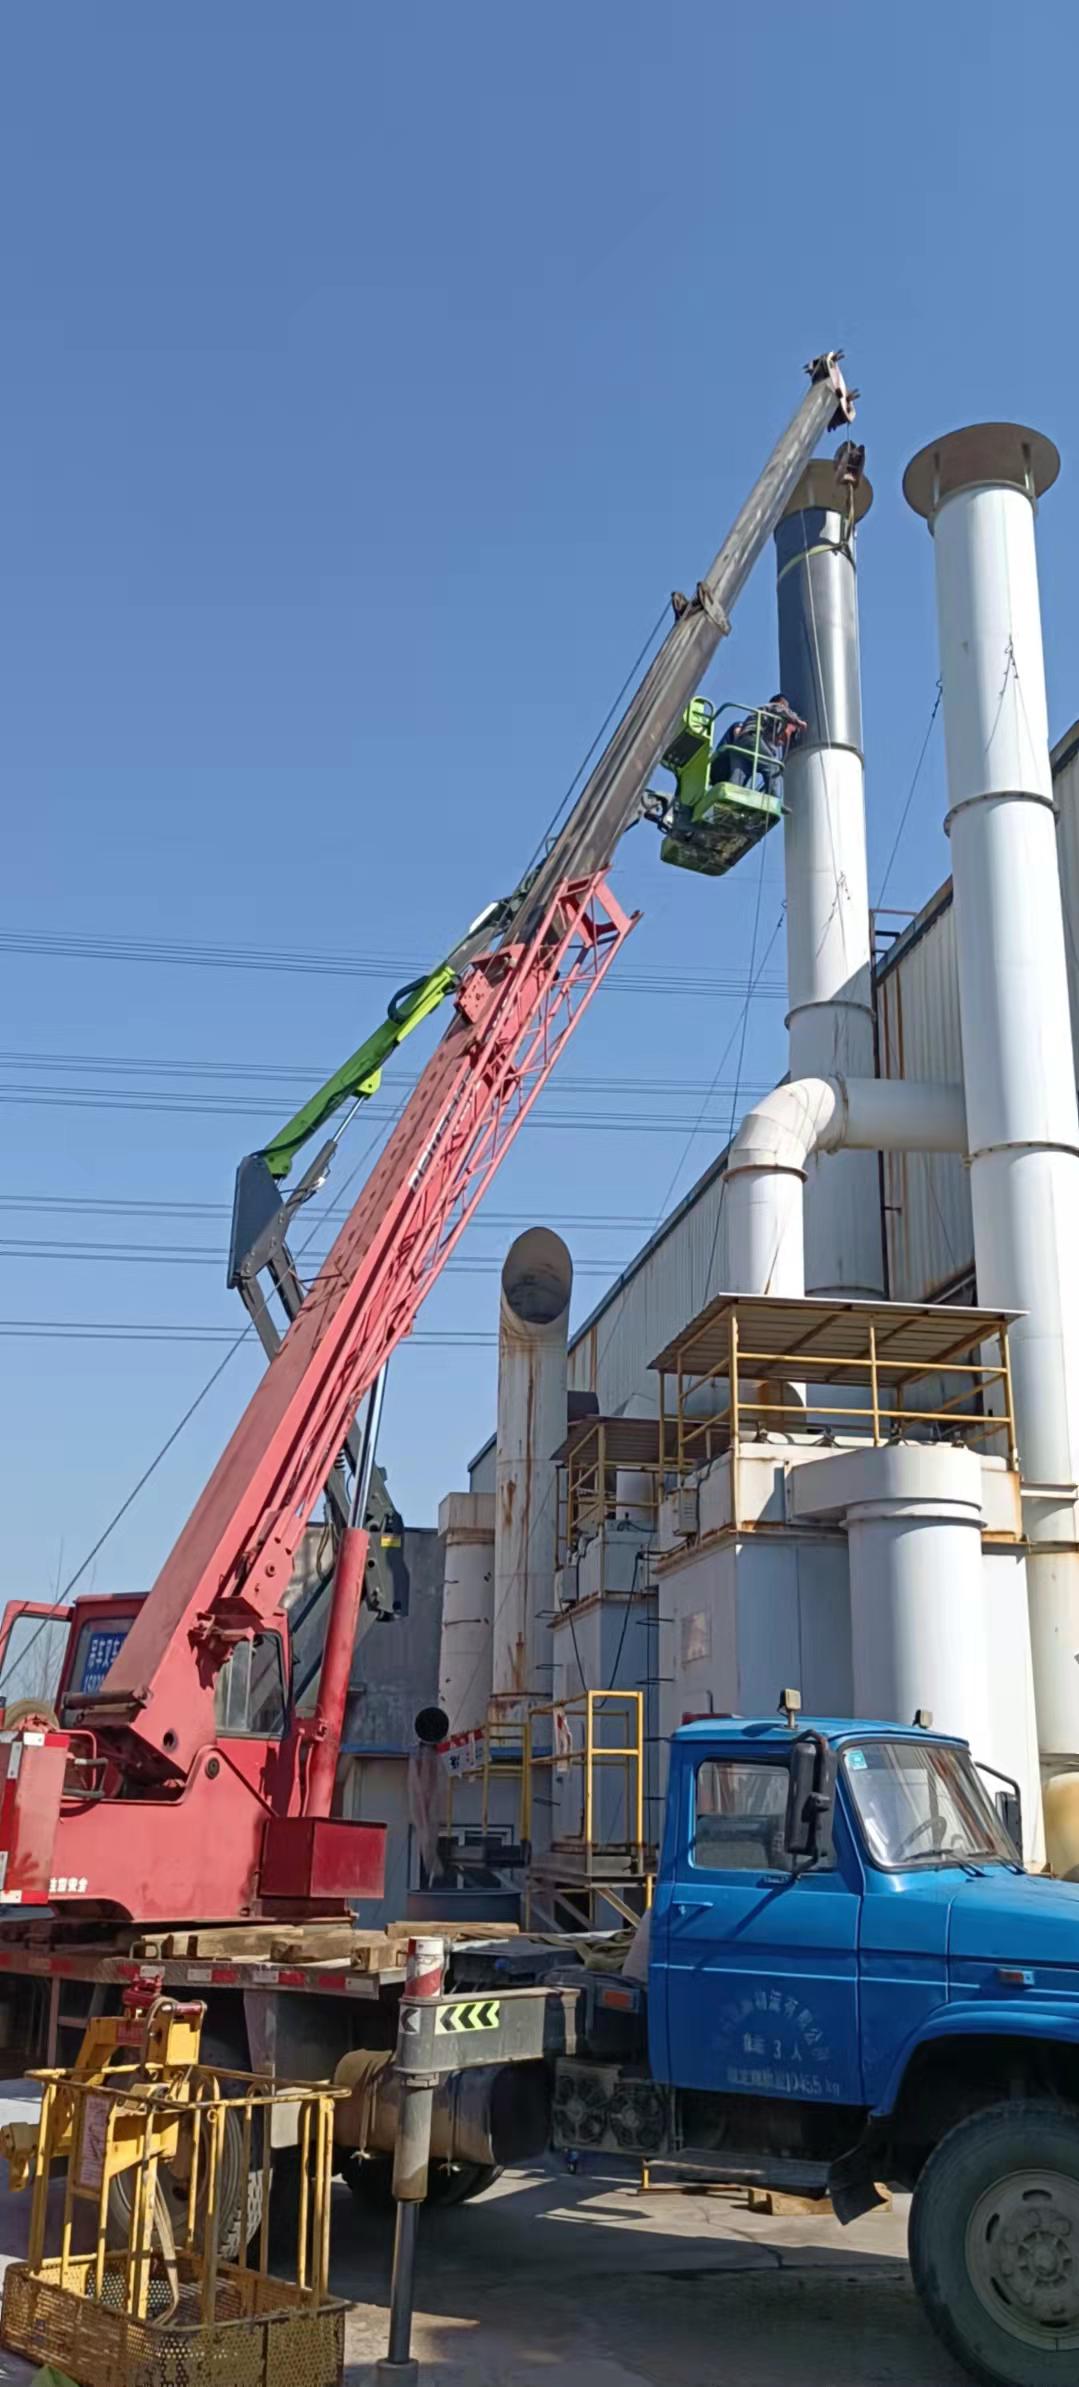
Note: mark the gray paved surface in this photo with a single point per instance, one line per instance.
(553, 2277)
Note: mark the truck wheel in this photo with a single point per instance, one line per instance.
(370, 2179)
(461, 2182)
(994, 2243)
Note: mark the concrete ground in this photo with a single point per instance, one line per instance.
(578, 2276)
(550, 2275)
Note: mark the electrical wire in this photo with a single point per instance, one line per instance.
(630, 1596)
(549, 834)
(118, 1330)
(251, 1072)
(910, 798)
(125, 1206)
(552, 1121)
(58, 944)
(734, 1106)
(48, 1329)
(193, 955)
(138, 1254)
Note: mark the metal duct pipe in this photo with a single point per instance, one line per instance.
(977, 488)
(769, 1160)
(533, 1327)
(913, 1515)
(634, 1492)
(828, 949)
(467, 1533)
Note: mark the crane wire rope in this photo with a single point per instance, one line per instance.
(64, 1592)
(243, 1336)
(897, 840)
(543, 848)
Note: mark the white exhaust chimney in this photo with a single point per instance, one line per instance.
(977, 489)
(828, 957)
(537, 1280)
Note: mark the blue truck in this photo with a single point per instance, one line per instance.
(851, 1981)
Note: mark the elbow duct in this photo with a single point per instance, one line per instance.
(835, 1114)
(767, 1162)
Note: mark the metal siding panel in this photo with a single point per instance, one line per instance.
(481, 1474)
(612, 1355)
(927, 1196)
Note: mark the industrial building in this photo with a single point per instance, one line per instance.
(858, 1477)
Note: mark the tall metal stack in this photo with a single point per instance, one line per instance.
(830, 1018)
(978, 490)
(537, 1281)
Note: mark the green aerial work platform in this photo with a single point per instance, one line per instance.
(709, 823)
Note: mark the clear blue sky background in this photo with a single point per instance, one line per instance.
(369, 377)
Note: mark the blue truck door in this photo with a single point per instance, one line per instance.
(759, 1965)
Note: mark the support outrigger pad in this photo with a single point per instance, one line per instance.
(737, 819)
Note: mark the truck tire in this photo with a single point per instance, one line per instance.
(994, 2243)
(370, 2179)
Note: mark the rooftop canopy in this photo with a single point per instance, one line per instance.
(626, 1441)
(826, 1336)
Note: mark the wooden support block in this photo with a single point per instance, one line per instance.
(456, 1930)
(784, 2207)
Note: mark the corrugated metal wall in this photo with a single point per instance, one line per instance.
(928, 1228)
(927, 1221)
(930, 1237)
(673, 1278)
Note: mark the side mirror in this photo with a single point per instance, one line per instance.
(807, 1830)
(1009, 1806)
(1008, 1802)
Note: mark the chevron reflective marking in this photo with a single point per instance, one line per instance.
(477, 2014)
(410, 2020)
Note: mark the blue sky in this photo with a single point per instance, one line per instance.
(370, 376)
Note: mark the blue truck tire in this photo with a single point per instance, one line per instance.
(994, 2243)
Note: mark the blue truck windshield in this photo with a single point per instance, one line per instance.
(919, 1803)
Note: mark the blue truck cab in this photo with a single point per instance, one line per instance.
(852, 1980)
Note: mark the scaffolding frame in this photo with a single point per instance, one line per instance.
(584, 1871)
(596, 1450)
(764, 1356)
(497, 1751)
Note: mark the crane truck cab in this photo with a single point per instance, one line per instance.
(851, 1979)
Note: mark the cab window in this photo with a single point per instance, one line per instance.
(250, 1692)
(921, 1803)
(739, 1812)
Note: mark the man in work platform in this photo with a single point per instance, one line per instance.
(754, 750)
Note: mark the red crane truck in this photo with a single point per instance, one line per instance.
(175, 1807)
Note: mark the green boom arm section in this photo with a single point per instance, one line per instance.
(361, 1075)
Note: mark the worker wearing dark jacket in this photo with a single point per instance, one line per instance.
(755, 750)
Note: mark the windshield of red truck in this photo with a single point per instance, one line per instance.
(919, 1803)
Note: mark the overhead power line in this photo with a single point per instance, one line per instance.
(146, 1104)
(119, 1330)
(185, 953)
(15, 1247)
(132, 1206)
(254, 1073)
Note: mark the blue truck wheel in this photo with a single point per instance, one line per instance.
(994, 2243)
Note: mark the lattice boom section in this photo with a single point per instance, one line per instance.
(538, 994)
